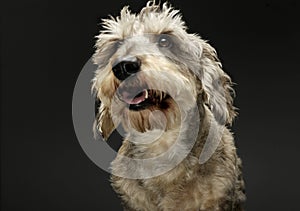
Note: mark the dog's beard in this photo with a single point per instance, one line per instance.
(138, 113)
(134, 103)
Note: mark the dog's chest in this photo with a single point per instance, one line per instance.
(182, 188)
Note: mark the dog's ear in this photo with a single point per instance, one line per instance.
(217, 85)
(103, 123)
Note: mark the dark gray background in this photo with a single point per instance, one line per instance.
(44, 45)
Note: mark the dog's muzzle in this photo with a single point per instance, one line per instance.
(125, 67)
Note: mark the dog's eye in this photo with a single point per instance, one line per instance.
(164, 41)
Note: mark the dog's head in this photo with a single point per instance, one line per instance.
(148, 62)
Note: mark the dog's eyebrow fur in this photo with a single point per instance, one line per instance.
(114, 40)
(169, 32)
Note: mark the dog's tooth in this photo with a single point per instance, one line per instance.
(146, 94)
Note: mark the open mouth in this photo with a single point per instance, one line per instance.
(142, 100)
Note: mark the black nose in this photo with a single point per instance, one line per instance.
(126, 67)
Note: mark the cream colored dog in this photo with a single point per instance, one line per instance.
(167, 89)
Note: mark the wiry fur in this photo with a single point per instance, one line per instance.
(192, 75)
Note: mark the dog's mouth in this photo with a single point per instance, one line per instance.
(143, 99)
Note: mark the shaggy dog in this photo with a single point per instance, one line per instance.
(167, 89)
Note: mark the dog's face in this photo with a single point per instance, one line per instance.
(148, 62)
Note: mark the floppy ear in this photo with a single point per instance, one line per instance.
(103, 123)
(217, 86)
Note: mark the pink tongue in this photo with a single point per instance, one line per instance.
(133, 100)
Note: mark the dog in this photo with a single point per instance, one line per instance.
(168, 91)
